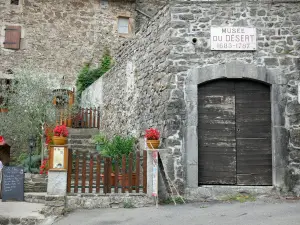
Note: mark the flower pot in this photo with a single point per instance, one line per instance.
(3, 110)
(59, 140)
(112, 179)
(132, 181)
(153, 144)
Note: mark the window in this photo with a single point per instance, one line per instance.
(12, 37)
(123, 25)
(14, 2)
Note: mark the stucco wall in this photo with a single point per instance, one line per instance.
(59, 36)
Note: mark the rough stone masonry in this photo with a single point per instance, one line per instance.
(154, 82)
(58, 37)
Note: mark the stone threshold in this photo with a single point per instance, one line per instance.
(215, 192)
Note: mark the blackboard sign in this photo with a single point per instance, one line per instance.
(12, 183)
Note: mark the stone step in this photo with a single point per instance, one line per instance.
(35, 197)
(21, 213)
(85, 131)
(82, 146)
(86, 150)
(80, 136)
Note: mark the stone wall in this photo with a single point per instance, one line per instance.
(59, 36)
(149, 87)
(146, 9)
(278, 50)
(135, 90)
(92, 201)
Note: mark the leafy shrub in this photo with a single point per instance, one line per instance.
(87, 75)
(35, 164)
(117, 147)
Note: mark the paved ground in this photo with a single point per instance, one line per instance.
(20, 209)
(249, 213)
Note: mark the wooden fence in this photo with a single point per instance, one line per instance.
(92, 173)
(84, 118)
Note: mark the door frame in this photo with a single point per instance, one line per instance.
(235, 70)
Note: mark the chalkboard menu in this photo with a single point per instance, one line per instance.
(12, 183)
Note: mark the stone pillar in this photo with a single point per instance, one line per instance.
(149, 174)
(57, 182)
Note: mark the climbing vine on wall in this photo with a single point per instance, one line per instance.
(88, 75)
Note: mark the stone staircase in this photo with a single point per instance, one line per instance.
(81, 139)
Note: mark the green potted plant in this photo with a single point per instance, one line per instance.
(116, 148)
(99, 140)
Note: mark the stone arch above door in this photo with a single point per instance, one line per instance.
(234, 70)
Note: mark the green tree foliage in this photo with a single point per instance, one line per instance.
(29, 102)
(88, 75)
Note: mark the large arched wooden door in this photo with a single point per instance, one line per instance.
(234, 133)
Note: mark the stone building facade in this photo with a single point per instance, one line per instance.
(157, 76)
(59, 36)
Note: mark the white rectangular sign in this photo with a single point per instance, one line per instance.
(233, 38)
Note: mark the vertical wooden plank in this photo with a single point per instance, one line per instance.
(116, 175)
(70, 162)
(86, 116)
(91, 173)
(91, 118)
(109, 175)
(83, 173)
(137, 169)
(94, 118)
(145, 171)
(98, 118)
(76, 173)
(82, 117)
(123, 173)
(98, 176)
(105, 176)
(130, 173)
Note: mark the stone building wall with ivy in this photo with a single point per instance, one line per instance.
(152, 81)
(58, 37)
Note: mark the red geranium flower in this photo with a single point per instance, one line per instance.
(61, 130)
(152, 134)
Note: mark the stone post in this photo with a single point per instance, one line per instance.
(57, 182)
(149, 174)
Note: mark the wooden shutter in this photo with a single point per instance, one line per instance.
(12, 37)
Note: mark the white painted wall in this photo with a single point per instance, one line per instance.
(93, 95)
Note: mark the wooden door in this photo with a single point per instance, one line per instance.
(253, 133)
(234, 133)
(216, 136)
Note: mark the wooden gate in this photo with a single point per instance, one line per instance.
(92, 173)
(234, 133)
